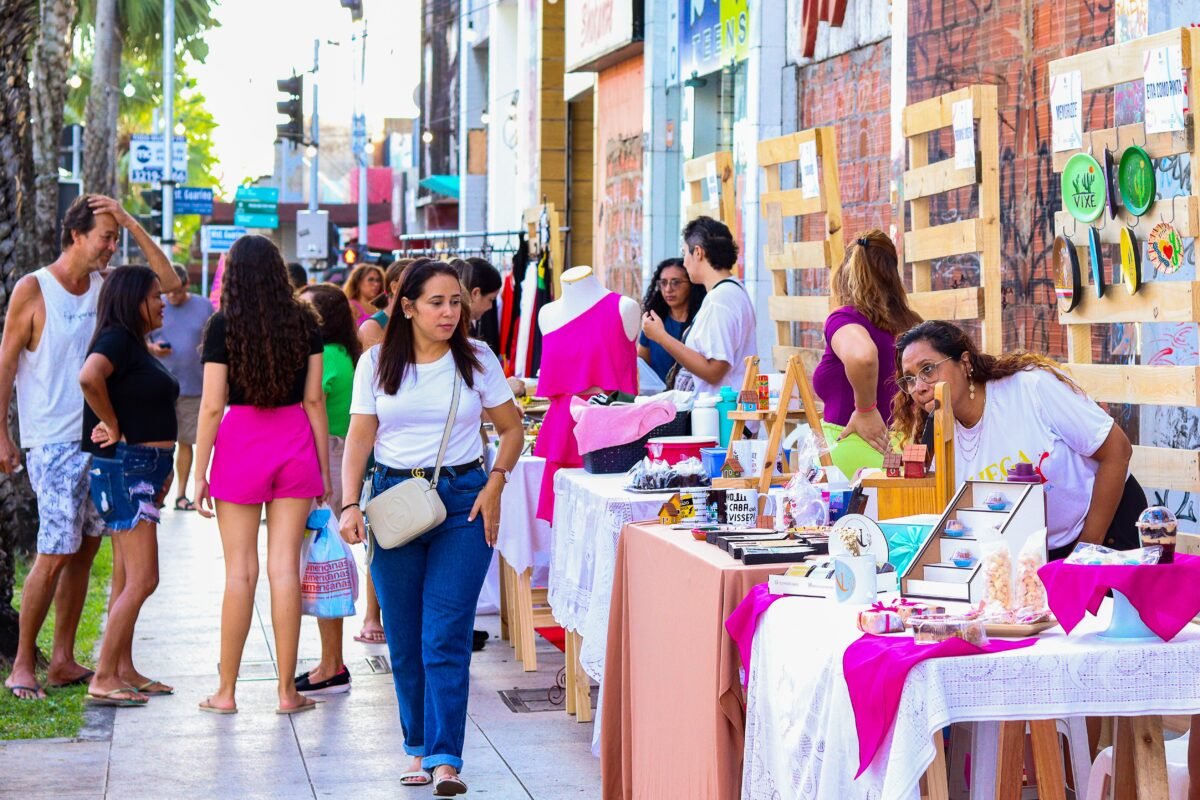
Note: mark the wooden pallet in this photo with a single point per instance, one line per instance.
(701, 175)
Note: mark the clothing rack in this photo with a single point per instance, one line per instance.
(495, 246)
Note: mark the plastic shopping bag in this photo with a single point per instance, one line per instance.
(328, 573)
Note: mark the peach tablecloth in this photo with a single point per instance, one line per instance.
(673, 720)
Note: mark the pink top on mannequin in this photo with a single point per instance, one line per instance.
(588, 352)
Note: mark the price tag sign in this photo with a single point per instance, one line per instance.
(1166, 92)
(714, 185)
(964, 134)
(810, 179)
(1066, 111)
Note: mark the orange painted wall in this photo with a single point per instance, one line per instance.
(617, 246)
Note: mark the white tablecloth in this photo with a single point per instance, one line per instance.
(589, 512)
(800, 735)
(524, 540)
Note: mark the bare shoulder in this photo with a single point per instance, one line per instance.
(27, 294)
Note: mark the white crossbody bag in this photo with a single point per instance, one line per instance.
(410, 508)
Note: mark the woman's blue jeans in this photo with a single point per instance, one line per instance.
(427, 591)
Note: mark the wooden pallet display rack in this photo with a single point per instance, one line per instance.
(795, 383)
(552, 237)
(924, 243)
(699, 174)
(781, 257)
(1155, 301)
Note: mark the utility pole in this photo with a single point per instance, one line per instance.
(360, 130)
(168, 181)
(315, 136)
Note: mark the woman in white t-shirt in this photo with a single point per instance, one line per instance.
(714, 349)
(428, 588)
(1022, 407)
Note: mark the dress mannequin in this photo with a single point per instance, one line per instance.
(580, 291)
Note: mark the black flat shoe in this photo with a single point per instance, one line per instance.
(479, 641)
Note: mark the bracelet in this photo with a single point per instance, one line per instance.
(348, 505)
(868, 409)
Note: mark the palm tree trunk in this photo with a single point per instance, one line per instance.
(100, 132)
(51, 62)
(18, 507)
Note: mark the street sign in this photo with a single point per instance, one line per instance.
(193, 200)
(312, 234)
(147, 157)
(256, 207)
(219, 238)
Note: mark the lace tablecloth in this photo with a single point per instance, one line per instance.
(589, 512)
(800, 734)
(524, 540)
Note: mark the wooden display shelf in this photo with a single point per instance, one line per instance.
(696, 174)
(752, 416)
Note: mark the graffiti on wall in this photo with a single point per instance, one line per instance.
(619, 220)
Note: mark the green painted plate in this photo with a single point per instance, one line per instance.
(1083, 187)
(1135, 178)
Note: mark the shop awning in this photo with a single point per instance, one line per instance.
(441, 184)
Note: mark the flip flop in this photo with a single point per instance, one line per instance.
(81, 680)
(418, 778)
(146, 690)
(308, 705)
(206, 705)
(111, 699)
(35, 689)
(183, 504)
(372, 637)
(450, 786)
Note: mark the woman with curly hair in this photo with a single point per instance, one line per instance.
(854, 377)
(365, 283)
(370, 330)
(262, 355)
(1022, 407)
(676, 300)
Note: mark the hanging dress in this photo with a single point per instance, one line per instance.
(590, 351)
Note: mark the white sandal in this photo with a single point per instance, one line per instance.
(416, 778)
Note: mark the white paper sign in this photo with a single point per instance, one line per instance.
(714, 186)
(964, 134)
(1066, 111)
(810, 180)
(1166, 91)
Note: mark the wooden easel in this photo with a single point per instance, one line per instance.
(1156, 300)
(703, 172)
(795, 381)
(924, 243)
(902, 497)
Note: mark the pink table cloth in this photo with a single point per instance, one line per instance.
(1166, 595)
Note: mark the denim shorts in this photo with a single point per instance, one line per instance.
(125, 488)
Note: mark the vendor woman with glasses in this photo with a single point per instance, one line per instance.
(676, 300)
(1022, 407)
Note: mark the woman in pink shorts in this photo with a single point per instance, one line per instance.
(262, 359)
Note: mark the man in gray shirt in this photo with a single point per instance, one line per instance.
(177, 344)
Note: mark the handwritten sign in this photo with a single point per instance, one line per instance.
(810, 180)
(1166, 91)
(1066, 111)
(964, 134)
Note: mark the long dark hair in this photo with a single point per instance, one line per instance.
(398, 350)
(478, 273)
(869, 281)
(121, 300)
(908, 418)
(654, 300)
(337, 323)
(267, 330)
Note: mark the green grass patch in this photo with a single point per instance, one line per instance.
(60, 715)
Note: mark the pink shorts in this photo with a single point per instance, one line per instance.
(262, 454)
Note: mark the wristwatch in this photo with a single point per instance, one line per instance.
(503, 472)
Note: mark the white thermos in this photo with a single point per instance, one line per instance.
(705, 420)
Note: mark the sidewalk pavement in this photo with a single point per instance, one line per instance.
(350, 747)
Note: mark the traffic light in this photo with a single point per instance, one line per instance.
(350, 256)
(355, 7)
(292, 108)
(152, 222)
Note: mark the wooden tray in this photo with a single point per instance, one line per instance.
(1029, 629)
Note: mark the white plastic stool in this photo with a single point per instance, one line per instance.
(1177, 771)
(984, 745)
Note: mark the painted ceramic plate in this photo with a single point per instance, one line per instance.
(1066, 274)
(1109, 171)
(1096, 260)
(1165, 248)
(1135, 177)
(1131, 260)
(1083, 187)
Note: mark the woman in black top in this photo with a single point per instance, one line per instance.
(129, 427)
(262, 357)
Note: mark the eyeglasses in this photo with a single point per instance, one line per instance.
(908, 384)
(673, 283)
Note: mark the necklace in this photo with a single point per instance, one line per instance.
(969, 438)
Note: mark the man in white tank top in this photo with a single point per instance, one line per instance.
(51, 320)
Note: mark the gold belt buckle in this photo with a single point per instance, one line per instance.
(418, 473)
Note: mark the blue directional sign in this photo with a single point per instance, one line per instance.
(219, 238)
(256, 207)
(193, 200)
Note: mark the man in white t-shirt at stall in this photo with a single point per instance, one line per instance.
(714, 349)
